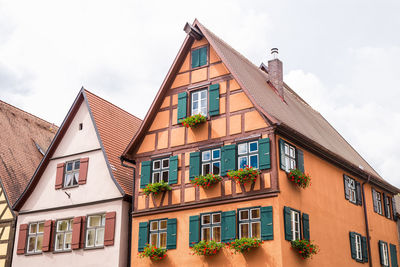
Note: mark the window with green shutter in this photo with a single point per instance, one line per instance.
(194, 230)
(267, 227)
(145, 173)
(228, 160)
(173, 170)
(294, 222)
(182, 106)
(214, 100)
(264, 154)
(160, 233)
(290, 157)
(171, 233)
(383, 253)
(393, 255)
(143, 235)
(306, 226)
(228, 226)
(210, 226)
(199, 57)
(194, 168)
(358, 247)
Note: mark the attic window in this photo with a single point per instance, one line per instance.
(80, 126)
(199, 57)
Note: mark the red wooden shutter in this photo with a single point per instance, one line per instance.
(83, 232)
(47, 235)
(109, 229)
(23, 231)
(76, 232)
(60, 175)
(83, 169)
(53, 235)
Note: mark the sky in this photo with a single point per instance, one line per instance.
(340, 56)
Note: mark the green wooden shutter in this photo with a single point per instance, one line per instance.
(194, 230)
(173, 170)
(143, 228)
(171, 233)
(358, 191)
(145, 174)
(385, 210)
(264, 154)
(267, 227)
(228, 159)
(346, 187)
(203, 56)
(228, 224)
(194, 169)
(288, 223)
(282, 154)
(300, 159)
(306, 226)
(393, 255)
(214, 100)
(364, 249)
(394, 209)
(195, 58)
(352, 236)
(182, 106)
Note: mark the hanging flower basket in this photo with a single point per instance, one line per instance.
(244, 176)
(153, 253)
(298, 177)
(156, 188)
(305, 248)
(193, 121)
(244, 244)
(207, 180)
(206, 248)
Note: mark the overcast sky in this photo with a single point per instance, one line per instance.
(341, 56)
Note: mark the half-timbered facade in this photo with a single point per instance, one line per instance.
(252, 118)
(75, 210)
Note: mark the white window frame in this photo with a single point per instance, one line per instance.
(160, 171)
(34, 235)
(199, 101)
(248, 154)
(96, 229)
(64, 234)
(74, 172)
(295, 220)
(351, 185)
(211, 225)
(289, 157)
(249, 221)
(378, 196)
(158, 232)
(387, 207)
(211, 161)
(385, 255)
(359, 255)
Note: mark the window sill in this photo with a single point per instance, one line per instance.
(70, 187)
(94, 248)
(33, 253)
(62, 251)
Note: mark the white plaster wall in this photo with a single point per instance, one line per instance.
(110, 256)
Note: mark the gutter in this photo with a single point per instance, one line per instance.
(366, 220)
(130, 208)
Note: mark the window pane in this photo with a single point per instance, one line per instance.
(292, 164)
(217, 234)
(206, 155)
(31, 243)
(163, 240)
(165, 163)
(39, 242)
(254, 161)
(244, 215)
(203, 111)
(216, 167)
(154, 226)
(103, 220)
(195, 96)
(76, 178)
(71, 222)
(62, 226)
(255, 213)
(216, 153)
(90, 233)
(253, 146)
(156, 177)
(206, 234)
(244, 230)
(69, 166)
(40, 227)
(216, 218)
(153, 239)
(242, 148)
(77, 165)
(195, 108)
(94, 221)
(165, 176)
(243, 162)
(286, 149)
(163, 224)
(99, 236)
(206, 169)
(206, 219)
(156, 165)
(203, 94)
(32, 228)
(59, 241)
(68, 239)
(255, 229)
(292, 152)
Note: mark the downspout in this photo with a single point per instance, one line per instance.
(366, 221)
(130, 208)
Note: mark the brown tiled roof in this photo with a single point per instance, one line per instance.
(116, 128)
(22, 136)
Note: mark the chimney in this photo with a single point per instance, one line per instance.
(275, 71)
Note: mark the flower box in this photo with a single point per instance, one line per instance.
(206, 248)
(244, 244)
(156, 188)
(193, 121)
(298, 177)
(207, 180)
(305, 248)
(153, 253)
(244, 175)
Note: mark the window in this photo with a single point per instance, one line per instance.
(71, 176)
(199, 102)
(63, 235)
(160, 170)
(250, 223)
(211, 226)
(290, 157)
(377, 201)
(95, 231)
(158, 233)
(358, 247)
(80, 126)
(384, 253)
(35, 237)
(387, 206)
(199, 57)
(351, 190)
(295, 219)
(248, 154)
(211, 161)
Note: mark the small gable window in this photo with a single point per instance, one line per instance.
(199, 57)
(160, 170)
(199, 102)
(95, 231)
(72, 173)
(35, 237)
(71, 177)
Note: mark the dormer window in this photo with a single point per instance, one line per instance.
(199, 57)
(71, 177)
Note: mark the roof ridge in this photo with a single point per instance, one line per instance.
(108, 102)
(28, 113)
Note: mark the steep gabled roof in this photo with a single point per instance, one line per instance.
(114, 127)
(291, 114)
(23, 138)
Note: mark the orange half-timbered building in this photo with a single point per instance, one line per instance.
(252, 118)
